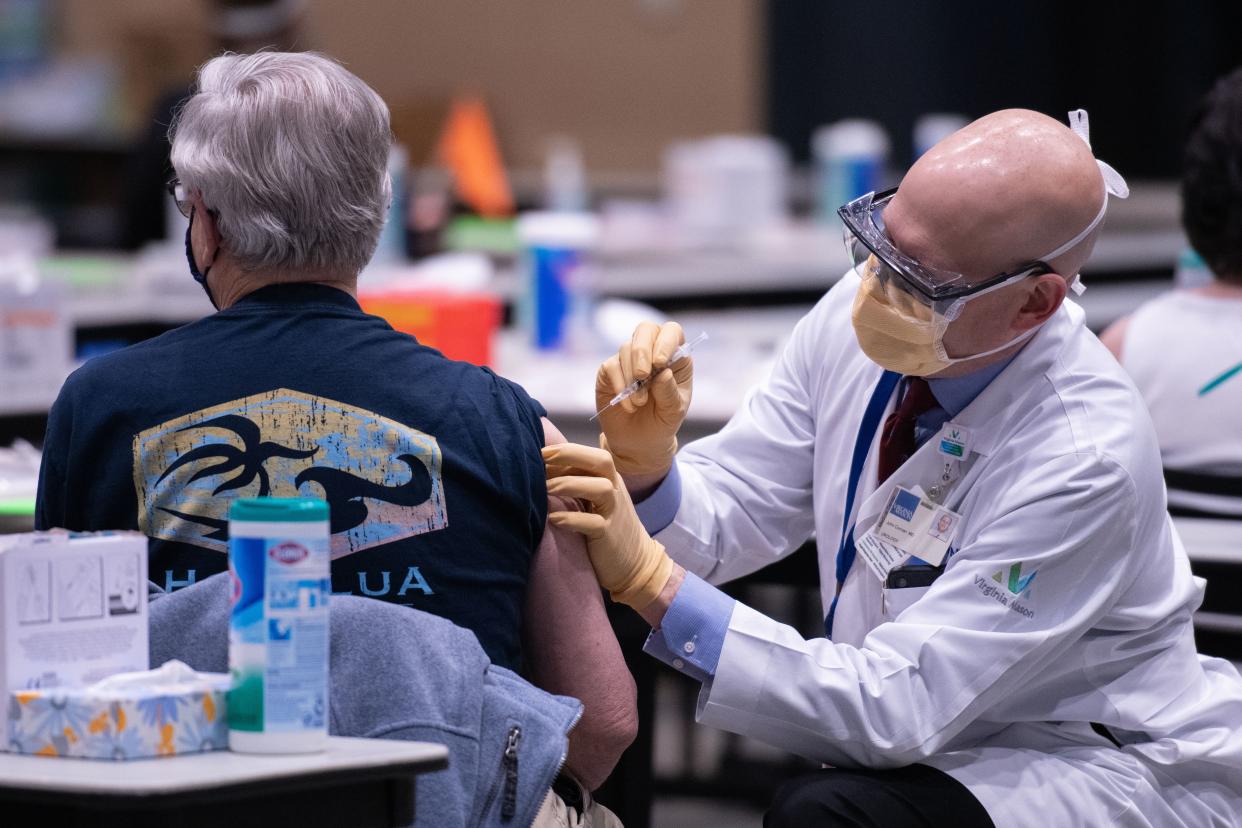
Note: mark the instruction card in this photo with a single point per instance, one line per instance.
(880, 556)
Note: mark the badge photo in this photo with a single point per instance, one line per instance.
(943, 526)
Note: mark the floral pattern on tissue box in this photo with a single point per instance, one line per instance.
(62, 723)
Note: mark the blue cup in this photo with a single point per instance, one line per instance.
(555, 245)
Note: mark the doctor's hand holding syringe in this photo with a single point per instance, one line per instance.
(640, 431)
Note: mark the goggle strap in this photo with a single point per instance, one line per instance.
(1085, 232)
(1114, 184)
(1081, 124)
(970, 297)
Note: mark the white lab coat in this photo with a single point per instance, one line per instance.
(1066, 482)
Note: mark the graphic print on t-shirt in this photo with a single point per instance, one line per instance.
(382, 480)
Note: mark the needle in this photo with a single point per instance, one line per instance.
(629, 390)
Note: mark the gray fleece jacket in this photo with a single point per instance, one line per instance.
(397, 673)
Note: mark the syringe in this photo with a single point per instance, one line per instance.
(629, 390)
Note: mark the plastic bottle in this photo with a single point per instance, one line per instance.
(850, 160)
(564, 176)
(36, 333)
(932, 128)
(278, 631)
(720, 189)
(556, 245)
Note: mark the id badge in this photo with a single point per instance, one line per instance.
(918, 526)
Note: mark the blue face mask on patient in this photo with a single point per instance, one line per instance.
(200, 276)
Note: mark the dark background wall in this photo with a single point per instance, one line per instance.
(1138, 68)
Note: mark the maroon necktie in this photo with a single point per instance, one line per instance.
(897, 439)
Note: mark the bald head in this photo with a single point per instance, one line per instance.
(1002, 191)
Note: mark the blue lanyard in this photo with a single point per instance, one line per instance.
(862, 446)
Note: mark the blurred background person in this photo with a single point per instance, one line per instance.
(1184, 348)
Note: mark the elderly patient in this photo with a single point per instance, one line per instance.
(431, 467)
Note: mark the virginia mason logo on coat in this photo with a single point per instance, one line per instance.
(382, 480)
(1018, 587)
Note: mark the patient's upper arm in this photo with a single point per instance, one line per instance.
(571, 649)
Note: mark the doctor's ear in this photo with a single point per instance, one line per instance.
(1044, 296)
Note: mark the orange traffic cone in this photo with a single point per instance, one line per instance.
(468, 148)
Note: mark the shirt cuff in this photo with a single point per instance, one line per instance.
(659, 509)
(690, 637)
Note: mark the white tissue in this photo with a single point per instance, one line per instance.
(173, 678)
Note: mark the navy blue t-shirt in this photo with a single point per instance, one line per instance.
(431, 468)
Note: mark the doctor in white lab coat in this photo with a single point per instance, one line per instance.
(1039, 667)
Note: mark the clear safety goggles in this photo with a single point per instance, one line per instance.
(865, 236)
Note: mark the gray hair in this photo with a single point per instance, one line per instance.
(290, 151)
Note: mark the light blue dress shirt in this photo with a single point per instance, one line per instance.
(692, 634)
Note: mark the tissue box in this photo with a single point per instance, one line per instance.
(73, 608)
(144, 716)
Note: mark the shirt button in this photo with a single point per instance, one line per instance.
(688, 647)
(678, 663)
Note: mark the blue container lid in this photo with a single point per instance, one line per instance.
(279, 509)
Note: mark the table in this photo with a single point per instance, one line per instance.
(355, 782)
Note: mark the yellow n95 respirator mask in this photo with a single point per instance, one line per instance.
(903, 334)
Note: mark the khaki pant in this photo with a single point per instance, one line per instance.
(555, 813)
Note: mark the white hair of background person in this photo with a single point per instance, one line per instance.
(290, 150)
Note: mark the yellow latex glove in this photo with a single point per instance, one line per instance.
(642, 430)
(628, 563)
